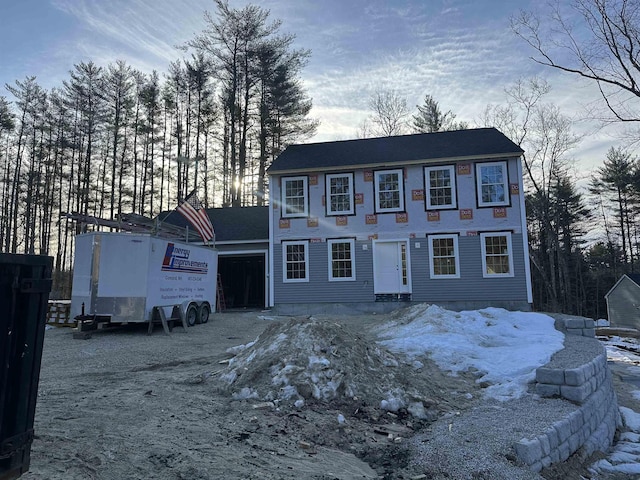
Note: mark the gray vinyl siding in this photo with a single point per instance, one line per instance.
(319, 289)
(622, 304)
(471, 286)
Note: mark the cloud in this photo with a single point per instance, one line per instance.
(136, 27)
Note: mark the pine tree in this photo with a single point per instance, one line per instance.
(430, 118)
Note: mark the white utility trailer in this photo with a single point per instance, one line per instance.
(121, 278)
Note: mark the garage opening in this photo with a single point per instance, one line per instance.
(243, 280)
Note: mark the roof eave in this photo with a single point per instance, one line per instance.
(493, 156)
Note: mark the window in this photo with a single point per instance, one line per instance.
(341, 260)
(497, 259)
(339, 194)
(443, 256)
(440, 185)
(295, 261)
(492, 184)
(294, 197)
(389, 191)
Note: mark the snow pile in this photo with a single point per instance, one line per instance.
(504, 347)
(625, 455)
(307, 360)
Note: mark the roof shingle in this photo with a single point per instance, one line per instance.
(230, 223)
(478, 142)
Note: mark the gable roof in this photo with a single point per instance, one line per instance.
(403, 149)
(634, 277)
(231, 224)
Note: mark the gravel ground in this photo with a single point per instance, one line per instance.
(126, 405)
(477, 444)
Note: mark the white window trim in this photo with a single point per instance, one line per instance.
(453, 203)
(283, 197)
(456, 252)
(352, 244)
(376, 190)
(483, 244)
(285, 244)
(327, 181)
(505, 184)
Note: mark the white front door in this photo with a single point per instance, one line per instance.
(391, 267)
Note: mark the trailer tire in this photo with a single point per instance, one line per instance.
(191, 315)
(203, 313)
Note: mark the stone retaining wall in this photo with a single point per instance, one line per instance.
(585, 327)
(592, 426)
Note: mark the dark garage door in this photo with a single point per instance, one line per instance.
(243, 280)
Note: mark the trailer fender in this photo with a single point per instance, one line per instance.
(204, 310)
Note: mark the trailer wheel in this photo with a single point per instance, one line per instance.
(203, 313)
(192, 315)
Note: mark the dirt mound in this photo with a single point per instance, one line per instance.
(306, 361)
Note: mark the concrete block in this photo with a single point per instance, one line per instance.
(576, 421)
(545, 445)
(583, 434)
(553, 376)
(587, 411)
(536, 467)
(563, 429)
(593, 384)
(555, 456)
(589, 447)
(574, 442)
(589, 323)
(574, 331)
(575, 376)
(601, 361)
(575, 394)
(599, 416)
(547, 390)
(564, 450)
(529, 451)
(593, 423)
(602, 440)
(552, 435)
(596, 399)
(546, 461)
(589, 332)
(574, 323)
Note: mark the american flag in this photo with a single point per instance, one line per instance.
(193, 210)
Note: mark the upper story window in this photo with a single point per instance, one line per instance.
(444, 261)
(389, 191)
(294, 197)
(341, 260)
(497, 256)
(339, 193)
(295, 261)
(492, 182)
(440, 183)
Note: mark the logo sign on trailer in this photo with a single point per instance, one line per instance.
(176, 259)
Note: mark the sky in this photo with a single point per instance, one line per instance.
(462, 52)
